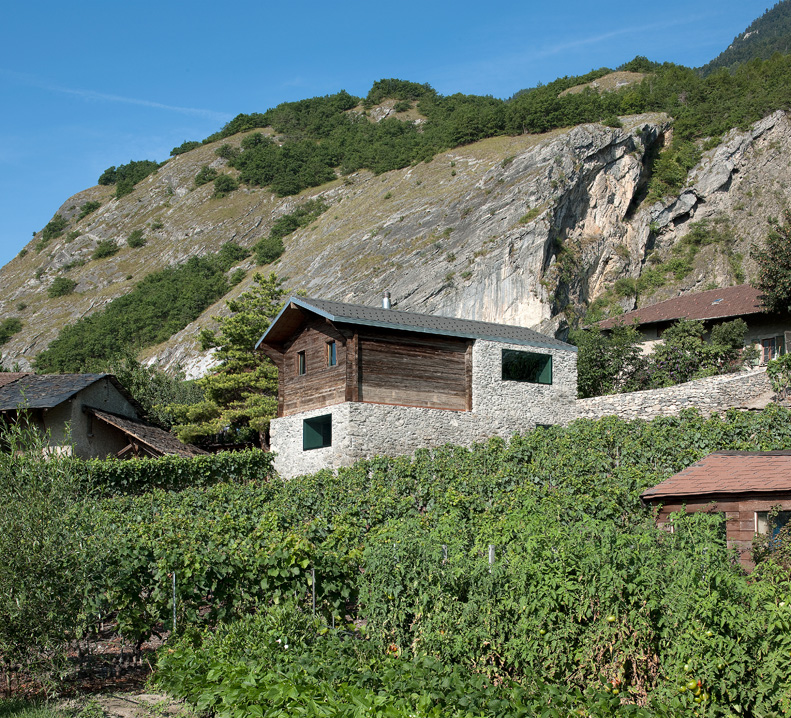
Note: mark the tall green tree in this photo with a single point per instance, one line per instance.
(241, 394)
(774, 265)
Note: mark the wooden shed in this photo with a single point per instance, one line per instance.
(744, 485)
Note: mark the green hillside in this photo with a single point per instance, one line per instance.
(765, 36)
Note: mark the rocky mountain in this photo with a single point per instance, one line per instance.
(527, 229)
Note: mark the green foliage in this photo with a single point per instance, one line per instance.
(612, 362)
(125, 177)
(138, 477)
(230, 254)
(154, 389)
(205, 175)
(163, 303)
(608, 362)
(61, 287)
(46, 568)
(764, 37)
(9, 327)
(774, 266)
(585, 592)
(530, 215)
(136, 239)
(241, 393)
(267, 250)
(87, 208)
(227, 152)
(185, 146)
(224, 185)
(105, 248)
(54, 228)
(779, 373)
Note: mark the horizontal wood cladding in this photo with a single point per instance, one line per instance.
(413, 370)
(320, 385)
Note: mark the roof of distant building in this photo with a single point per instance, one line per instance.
(729, 472)
(45, 391)
(712, 304)
(156, 439)
(283, 325)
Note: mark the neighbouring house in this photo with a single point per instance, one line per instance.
(770, 333)
(744, 485)
(358, 381)
(89, 415)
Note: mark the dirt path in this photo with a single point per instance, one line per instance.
(137, 705)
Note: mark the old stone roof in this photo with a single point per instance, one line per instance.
(6, 377)
(361, 315)
(45, 391)
(725, 303)
(157, 440)
(729, 472)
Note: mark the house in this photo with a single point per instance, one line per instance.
(358, 381)
(89, 415)
(744, 485)
(769, 332)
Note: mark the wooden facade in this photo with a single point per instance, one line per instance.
(373, 365)
(741, 513)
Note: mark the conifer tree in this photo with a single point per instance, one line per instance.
(241, 393)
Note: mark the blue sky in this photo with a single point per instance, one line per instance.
(92, 84)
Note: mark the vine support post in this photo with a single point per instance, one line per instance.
(313, 588)
(491, 557)
(174, 600)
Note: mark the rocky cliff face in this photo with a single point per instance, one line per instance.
(524, 230)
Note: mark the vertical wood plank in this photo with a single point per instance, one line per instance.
(353, 368)
(468, 375)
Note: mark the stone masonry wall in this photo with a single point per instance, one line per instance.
(712, 394)
(499, 409)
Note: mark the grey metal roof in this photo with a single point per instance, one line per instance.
(360, 314)
(45, 391)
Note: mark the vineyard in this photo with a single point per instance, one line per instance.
(514, 578)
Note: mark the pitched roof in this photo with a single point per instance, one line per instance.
(729, 472)
(712, 304)
(6, 377)
(362, 315)
(158, 440)
(45, 391)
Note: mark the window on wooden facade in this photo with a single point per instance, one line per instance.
(301, 366)
(317, 432)
(772, 348)
(777, 523)
(527, 366)
(332, 356)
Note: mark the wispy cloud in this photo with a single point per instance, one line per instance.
(92, 95)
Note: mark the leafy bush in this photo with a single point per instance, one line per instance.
(136, 239)
(185, 146)
(224, 185)
(87, 208)
(227, 152)
(9, 327)
(105, 248)
(160, 305)
(61, 287)
(54, 228)
(125, 177)
(205, 175)
(267, 250)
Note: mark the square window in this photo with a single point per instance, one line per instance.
(317, 432)
(332, 356)
(301, 366)
(527, 366)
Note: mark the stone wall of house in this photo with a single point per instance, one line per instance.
(500, 408)
(713, 394)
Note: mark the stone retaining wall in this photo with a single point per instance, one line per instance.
(713, 394)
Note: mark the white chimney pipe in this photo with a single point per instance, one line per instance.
(385, 300)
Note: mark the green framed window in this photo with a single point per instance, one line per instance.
(528, 367)
(317, 432)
